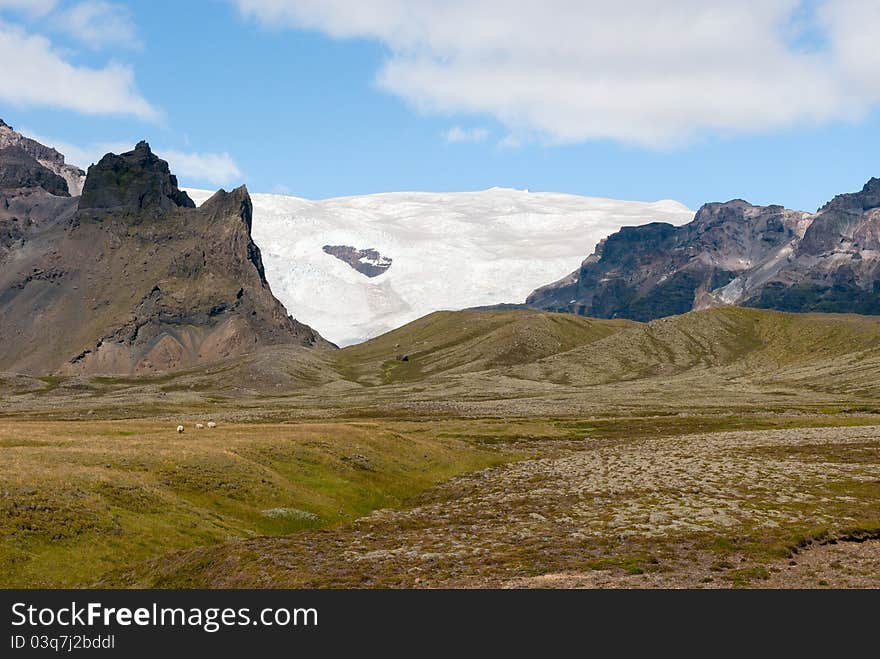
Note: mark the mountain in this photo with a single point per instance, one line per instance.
(733, 253)
(131, 278)
(46, 156)
(356, 267)
(834, 268)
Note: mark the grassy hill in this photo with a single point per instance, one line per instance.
(731, 342)
(463, 341)
(502, 363)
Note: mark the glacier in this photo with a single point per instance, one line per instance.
(448, 250)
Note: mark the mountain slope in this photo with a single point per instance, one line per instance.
(46, 156)
(137, 280)
(733, 253)
(835, 268)
(436, 250)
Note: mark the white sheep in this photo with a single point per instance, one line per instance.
(199, 426)
(211, 424)
(179, 429)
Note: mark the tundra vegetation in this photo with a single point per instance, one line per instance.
(725, 447)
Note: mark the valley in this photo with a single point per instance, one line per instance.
(511, 449)
(166, 421)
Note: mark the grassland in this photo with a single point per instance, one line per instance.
(80, 498)
(515, 448)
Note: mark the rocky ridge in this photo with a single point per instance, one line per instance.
(733, 253)
(46, 156)
(133, 278)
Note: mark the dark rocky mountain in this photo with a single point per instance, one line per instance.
(366, 261)
(733, 253)
(131, 278)
(46, 156)
(18, 169)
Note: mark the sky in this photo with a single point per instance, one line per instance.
(773, 101)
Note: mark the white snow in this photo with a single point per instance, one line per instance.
(379, 261)
(448, 250)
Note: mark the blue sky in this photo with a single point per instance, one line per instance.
(322, 99)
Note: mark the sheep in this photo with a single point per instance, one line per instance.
(211, 424)
(199, 426)
(179, 429)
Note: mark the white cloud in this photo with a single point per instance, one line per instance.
(649, 72)
(213, 168)
(31, 8)
(98, 24)
(459, 134)
(41, 76)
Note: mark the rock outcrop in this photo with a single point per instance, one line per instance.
(834, 268)
(138, 280)
(134, 181)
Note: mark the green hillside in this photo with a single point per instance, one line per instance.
(464, 341)
(826, 350)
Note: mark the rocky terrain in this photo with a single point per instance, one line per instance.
(130, 278)
(733, 253)
(46, 156)
(698, 510)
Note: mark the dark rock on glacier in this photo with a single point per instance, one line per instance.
(366, 261)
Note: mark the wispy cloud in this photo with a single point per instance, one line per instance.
(43, 77)
(31, 8)
(644, 72)
(98, 24)
(213, 168)
(459, 134)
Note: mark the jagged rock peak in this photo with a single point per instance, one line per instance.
(135, 180)
(222, 201)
